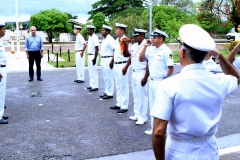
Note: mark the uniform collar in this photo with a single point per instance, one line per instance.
(143, 42)
(193, 66)
(161, 47)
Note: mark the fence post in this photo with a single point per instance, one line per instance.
(60, 51)
(48, 55)
(57, 60)
(68, 55)
(52, 48)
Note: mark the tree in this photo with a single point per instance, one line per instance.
(70, 16)
(170, 19)
(184, 5)
(98, 21)
(52, 21)
(110, 7)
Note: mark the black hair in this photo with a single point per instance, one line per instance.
(108, 30)
(2, 27)
(194, 55)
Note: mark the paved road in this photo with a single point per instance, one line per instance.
(58, 119)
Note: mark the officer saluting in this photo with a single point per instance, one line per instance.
(121, 75)
(3, 75)
(107, 51)
(232, 56)
(80, 47)
(139, 76)
(191, 101)
(93, 48)
(160, 62)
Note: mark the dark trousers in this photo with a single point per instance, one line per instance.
(34, 56)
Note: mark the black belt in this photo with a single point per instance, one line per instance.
(2, 65)
(121, 62)
(106, 56)
(91, 54)
(78, 50)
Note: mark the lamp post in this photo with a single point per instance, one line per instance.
(150, 18)
(17, 27)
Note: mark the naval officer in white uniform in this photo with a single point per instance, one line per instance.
(160, 62)
(107, 51)
(3, 74)
(232, 56)
(80, 46)
(188, 105)
(121, 76)
(93, 48)
(139, 76)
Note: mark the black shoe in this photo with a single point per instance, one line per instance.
(114, 107)
(89, 87)
(103, 95)
(93, 89)
(2, 121)
(5, 106)
(5, 117)
(122, 110)
(31, 79)
(107, 97)
(80, 81)
(40, 79)
(75, 80)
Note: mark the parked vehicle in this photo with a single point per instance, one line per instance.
(233, 35)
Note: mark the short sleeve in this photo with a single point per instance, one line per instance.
(168, 57)
(81, 39)
(236, 63)
(147, 52)
(163, 105)
(95, 41)
(232, 84)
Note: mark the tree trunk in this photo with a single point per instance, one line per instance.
(50, 36)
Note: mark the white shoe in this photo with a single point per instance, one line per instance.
(140, 122)
(149, 132)
(134, 118)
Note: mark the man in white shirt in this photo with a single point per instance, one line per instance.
(139, 76)
(107, 51)
(160, 62)
(232, 56)
(3, 75)
(93, 48)
(188, 105)
(80, 46)
(121, 75)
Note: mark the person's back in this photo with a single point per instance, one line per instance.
(198, 96)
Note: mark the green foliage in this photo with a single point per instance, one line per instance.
(52, 21)
(98, 21)
(133, 20)
(70, 16)
(170, 19)
(229, 46)
(110, 7)
(184, 5)
(124, 13)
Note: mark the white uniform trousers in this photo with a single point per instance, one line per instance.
(153, 87)
(108, 76)
(192, 149)
(93, 74)
(140, 95)
(122, 86)
(80, 66)
(3, 71)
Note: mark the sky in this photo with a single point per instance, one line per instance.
(28, 7)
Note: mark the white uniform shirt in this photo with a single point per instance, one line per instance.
(211, 65)
(191, 101)
(93, 41)
(118, 53)
(107, 47)
(158, 60)
(135, 51)
(79, 42)
(236, 63)
(3, 60)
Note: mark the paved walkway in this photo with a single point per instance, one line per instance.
(19, 62)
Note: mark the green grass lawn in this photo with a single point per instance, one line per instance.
(64, 56)
(62, 64)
